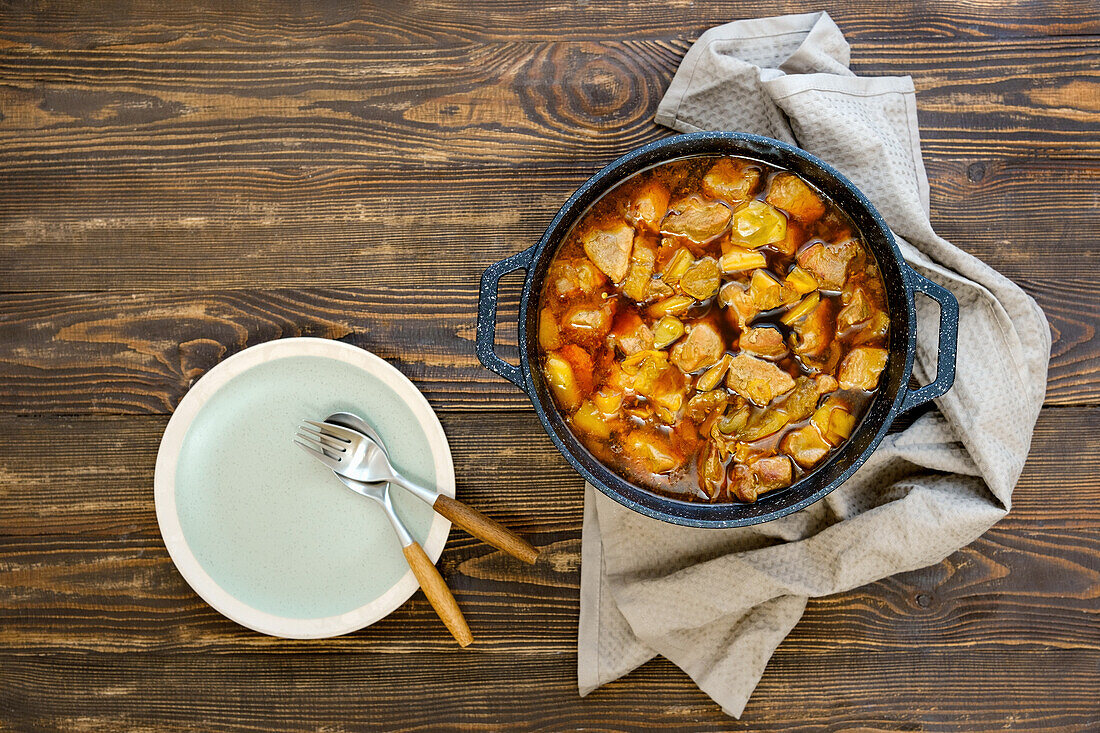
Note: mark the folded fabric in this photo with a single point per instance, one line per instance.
(718, 602)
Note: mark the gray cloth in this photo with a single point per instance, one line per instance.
(718, 602)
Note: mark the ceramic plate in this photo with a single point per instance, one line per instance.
(264, 533)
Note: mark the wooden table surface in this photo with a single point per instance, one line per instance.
(181, 180)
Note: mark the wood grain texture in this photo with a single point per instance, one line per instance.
(478, 106)
(316, 24)
(138, 353)
(366, 228)
(486, 529)
(438, 594)
(181, 180)
(78, 539)
(1011, 612)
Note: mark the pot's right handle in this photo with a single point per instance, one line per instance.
(949, 341)
(487, 316)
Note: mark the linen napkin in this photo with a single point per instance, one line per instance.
(718, 602)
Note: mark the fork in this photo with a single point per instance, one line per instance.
(358, 456)
(432, 583)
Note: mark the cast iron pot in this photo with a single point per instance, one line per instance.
(894, 397)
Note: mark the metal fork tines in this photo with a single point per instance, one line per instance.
(327, 448)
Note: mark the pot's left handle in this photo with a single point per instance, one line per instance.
(949, 341)
(487, 316)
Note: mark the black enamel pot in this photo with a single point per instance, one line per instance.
(893, 398)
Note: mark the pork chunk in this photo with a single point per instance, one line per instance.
(862, 367)
(608, 245)
(756, 380)
(829, 261)
(733, 180)
(697, 219)
(702, 348)
(586, 322)
(749, 481)
(765, 342)
(790, 193)
(572, 277)
(739, 303)
(805, 445)
(812, 334)
(630, 333)
(648, 204)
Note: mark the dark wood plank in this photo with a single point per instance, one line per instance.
(480, 105)
(90, 593)
(315, 24)
(126, 230)
(80, 544)
(471, 690)
(139, 353)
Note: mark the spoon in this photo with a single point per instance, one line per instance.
(366, 459)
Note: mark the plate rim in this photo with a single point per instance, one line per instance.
(164, 487)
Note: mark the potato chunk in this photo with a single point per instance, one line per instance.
(829, 262)
(766, 291)
(793, 195)
(563, 385)
(582, 366)
(739, 259)
(712, 377)
(756, 380)
(756, 224)
(667, 330)
(642, 261)
(862, 367)
(702, 348)
(652, 451)
(805, 445)
(590, 420)
(749, 481)
(764, 341)
(834, 421)
(697, 219)
(733, 180)
(648, 204)
(608, 245)
(549, 335)
(630, 333)
(672, 306)
(702, 279)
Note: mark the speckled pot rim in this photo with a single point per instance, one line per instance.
(164, 487)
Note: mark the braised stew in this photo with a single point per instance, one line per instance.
(713, 328)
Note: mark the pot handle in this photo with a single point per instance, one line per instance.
(949, 341)
(487, 316)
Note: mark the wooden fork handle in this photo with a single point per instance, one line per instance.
(485, 529)
(439, 595)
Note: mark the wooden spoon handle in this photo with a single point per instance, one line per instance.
(439, 595)
(485, 529)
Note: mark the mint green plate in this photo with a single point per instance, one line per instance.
(267, 535)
